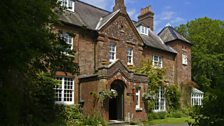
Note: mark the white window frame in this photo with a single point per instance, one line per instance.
(60, 91)
(67, 38)
(160, 102)
(184, 59)
(69, 4)
(143, 30)
(196, 97)
(138, 99)
(157, 61)
(130, 56)
(112, 52)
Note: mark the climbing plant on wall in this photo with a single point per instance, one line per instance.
(156, 80)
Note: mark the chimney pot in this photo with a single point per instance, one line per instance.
(146, 17)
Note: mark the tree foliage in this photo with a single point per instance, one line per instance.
(207, 36)
(30, 55)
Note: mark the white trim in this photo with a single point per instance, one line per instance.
(184, 59)
(99, 26)
(157, 61)
(112, 49)
(62, 88)
(143, 30)
(67, 38)
(130, 55)
(160, 100)
(65, 3)
(196, 97)
(138, 99)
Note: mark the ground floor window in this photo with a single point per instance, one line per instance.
(160, 103)
(196, 97)
(138, 99)
(64, 92)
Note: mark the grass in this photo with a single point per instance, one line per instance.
(170, 121)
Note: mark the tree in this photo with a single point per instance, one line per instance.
(207, 36)
(30, 55)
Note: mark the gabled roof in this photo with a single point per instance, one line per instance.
(103, 21)
(195, 90)
(118, 67)
(153, 40)
(170, 34)
(95, 18)
(84, 15)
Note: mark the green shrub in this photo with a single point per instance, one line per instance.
(172, 97)
(94, 121)
(157, 115)
(175, 114)
(187, 111)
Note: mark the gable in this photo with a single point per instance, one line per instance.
(121, 27)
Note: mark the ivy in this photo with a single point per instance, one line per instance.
(103, 96)
(156, 80)
(172, 95)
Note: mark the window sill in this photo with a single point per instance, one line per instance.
(130, 64)
(138, 109)
(158, 111)
(112, 61)
(158, 67)
(69, 55)
(64, 103)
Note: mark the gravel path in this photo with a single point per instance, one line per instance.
(171, 125)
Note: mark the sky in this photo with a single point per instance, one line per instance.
(169, 12)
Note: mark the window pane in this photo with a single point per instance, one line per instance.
(112, 52)
(64, 92)
(130, 56)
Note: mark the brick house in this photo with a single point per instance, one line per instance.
(107, 44)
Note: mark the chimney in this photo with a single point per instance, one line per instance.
(147, 17)
(119, 4)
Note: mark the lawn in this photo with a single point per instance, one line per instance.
(170, 121)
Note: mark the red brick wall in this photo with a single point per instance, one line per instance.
(125, 36)
(83, 45)
(183, 72)
(168, 61)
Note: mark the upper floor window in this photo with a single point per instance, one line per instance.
(130, 56)
(64, 92)
(68, 39)
(160, 103)
(184, 59)
(112, 52)
(157, 61)
(143, 30)
(68, 4)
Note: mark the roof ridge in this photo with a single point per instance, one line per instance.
(93, 6)
(173, 32)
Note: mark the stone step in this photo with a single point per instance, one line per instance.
(119, 123)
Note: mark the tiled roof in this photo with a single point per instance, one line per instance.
(95, 18)
(153, 40)
(84, 15)
(169, 34)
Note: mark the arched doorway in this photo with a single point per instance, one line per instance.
(116, 105)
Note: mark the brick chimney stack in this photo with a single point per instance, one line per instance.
(119, 4)
(147, 17)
